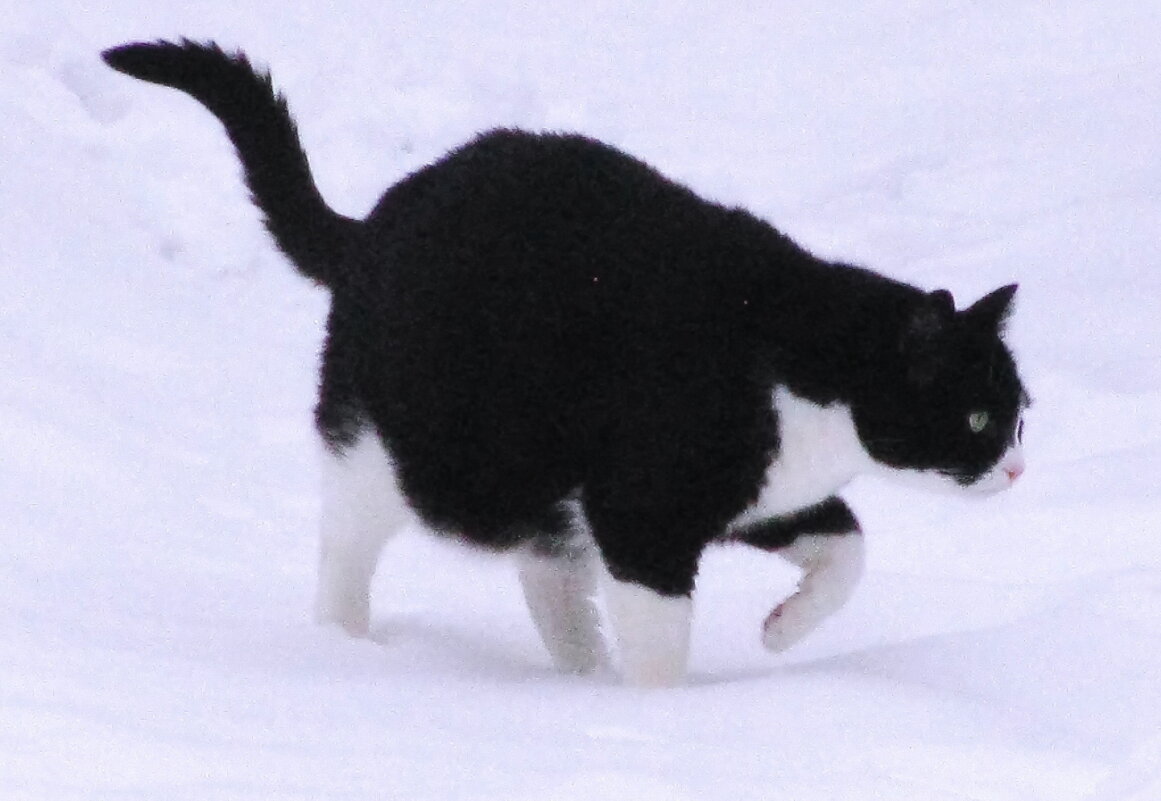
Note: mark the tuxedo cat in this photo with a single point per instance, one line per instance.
(540, 344)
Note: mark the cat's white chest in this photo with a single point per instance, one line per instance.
(820, 452)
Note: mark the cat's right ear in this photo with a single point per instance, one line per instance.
(924, 333)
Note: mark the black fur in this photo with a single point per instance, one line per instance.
(540, 316)
(832, 516)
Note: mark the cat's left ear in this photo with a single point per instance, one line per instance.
(991, 312)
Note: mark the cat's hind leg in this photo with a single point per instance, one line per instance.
(559, 578)
(826, 542)
(361, 508)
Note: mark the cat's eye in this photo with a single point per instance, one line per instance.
(977, 421)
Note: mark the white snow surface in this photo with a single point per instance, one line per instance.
(159, 466)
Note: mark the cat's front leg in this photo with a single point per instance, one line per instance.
(826, 542)
(652, 631)
(651, 561)
(832, 565)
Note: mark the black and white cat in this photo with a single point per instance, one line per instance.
(540, 344)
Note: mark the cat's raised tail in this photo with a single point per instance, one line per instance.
(259, 124)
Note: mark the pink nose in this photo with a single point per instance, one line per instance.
(1014, 472)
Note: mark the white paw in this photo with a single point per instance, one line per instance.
(832, 565)
(580, 659)
(652, 634)
(789, 623)
(353, 617)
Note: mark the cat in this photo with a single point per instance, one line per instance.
(538, 343)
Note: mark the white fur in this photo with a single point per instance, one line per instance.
(1005, 473)
(559, 591)
(361, 508)
(832, 565)
(652, 633)
(820, 452)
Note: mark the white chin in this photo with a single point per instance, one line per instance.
(1003, 476)
(990, 484)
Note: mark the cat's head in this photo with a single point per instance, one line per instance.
(954, 410)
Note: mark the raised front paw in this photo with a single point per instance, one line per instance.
(832, 565)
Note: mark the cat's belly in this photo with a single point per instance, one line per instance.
(819, 452)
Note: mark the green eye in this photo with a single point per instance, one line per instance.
(977, 421)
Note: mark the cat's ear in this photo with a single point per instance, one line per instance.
(991, 312)
(924, 334)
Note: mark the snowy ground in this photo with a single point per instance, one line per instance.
(158, 468)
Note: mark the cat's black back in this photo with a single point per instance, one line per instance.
(590, 323)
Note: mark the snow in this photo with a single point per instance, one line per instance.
(160, 468)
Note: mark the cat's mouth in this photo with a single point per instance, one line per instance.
(1001, 477)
